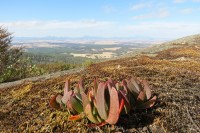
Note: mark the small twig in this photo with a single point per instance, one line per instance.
(194, 124)
(44, 98)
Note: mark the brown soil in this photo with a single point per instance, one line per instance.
(25, 108)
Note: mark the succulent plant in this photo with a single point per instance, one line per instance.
(105, 101)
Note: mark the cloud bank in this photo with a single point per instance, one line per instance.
(101, 29)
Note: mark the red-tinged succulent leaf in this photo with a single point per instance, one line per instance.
(76, 90)
(102, 124)
(136, 82)
(95, 103)
(90, 96)
(76, 104)
(127, 105)
(67, 96)
(121, 92)
(147, 89)
(94, 110)
(66, 100)
(67, 86)
(58, 99)
(117, 86)
(75, 117)
(125, 88)
(147, 104)
(113, 115)
(97, 125)
(141, 97)
(131, 89)
(53, 103)
(80, 85)
(121, 106)
(111, 82)
(88, 112)
(101, 101)
(85, 100)
(124, 92)
(95, 86)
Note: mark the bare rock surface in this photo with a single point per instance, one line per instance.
(40, 78)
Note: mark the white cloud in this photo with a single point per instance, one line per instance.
(109, 9)
(196, 0)
(56, 24)
(56, 28)
(187, 10)
(164, 29)
(140, 6)
(101, 29)
(160, 13)
(179, 1)
(183, 1)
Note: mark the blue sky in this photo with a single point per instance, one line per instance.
(102, 18)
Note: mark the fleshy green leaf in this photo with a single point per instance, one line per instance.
(87, 108)
(88, 112)
(76, 104)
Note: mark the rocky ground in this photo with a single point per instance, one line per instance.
(173, 74)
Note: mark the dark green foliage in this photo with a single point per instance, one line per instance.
(15, 64)
(9, 57)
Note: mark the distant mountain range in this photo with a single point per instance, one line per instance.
(155, 45)
(86, 37)
(86, 40)
(89, 38)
